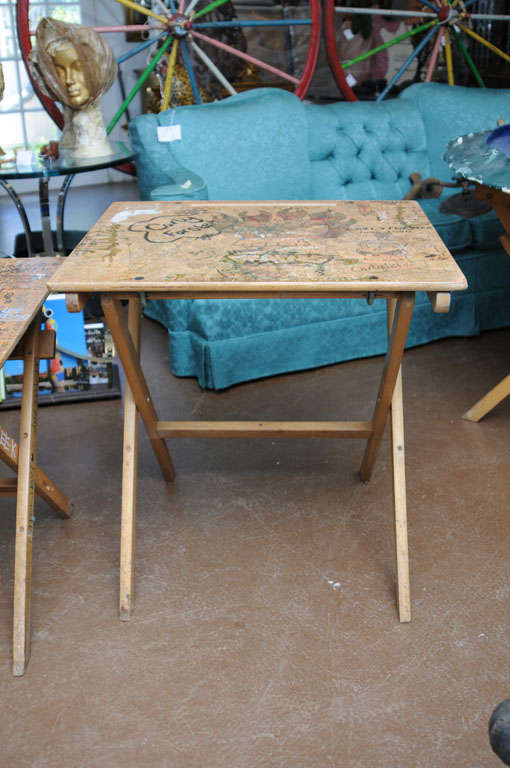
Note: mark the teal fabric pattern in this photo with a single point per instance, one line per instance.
(361, 153)
(267, 145)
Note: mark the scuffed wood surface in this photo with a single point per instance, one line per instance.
(330, 245)
(23, 288)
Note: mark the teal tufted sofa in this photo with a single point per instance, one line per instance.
(267, 145)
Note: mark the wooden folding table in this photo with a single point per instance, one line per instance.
(252, 250)
(22, 293)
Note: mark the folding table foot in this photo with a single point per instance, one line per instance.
(25, 503)
(129, 474)
(489, 401)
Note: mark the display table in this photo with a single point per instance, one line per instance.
(473, 159)
(254, 250)
(44, 170)
(22, 292)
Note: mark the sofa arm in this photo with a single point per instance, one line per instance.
(184, 185)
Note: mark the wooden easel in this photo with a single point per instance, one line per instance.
(328, 249)
(22, 292)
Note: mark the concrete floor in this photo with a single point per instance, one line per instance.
(265, 630)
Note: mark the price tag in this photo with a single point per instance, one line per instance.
(351, 80)
(169, 133)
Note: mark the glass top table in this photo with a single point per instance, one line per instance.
(477, 159)
(44, 169)
(470, 157)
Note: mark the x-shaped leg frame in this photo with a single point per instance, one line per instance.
(31, 479)
(126, 334)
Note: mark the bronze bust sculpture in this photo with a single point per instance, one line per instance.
(75, 66)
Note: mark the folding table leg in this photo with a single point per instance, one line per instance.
(399, 489)
(44, 487)
(134, 375)
(129, 472)
(489, 401)
(25, 502)
(390, 395)
(403, 314)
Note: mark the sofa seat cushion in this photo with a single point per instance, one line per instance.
(224, 319)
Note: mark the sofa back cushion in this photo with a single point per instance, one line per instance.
(450, 112)
(253, 146)
(365, 151)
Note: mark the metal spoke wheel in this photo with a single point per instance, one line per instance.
(207, 48)
(375, 48)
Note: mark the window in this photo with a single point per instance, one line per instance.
(23, 120)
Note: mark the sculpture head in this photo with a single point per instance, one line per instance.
(72, 64)
(70, 71)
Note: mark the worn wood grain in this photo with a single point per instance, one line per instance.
(268, 429)
(399, 488)
(23, 289)
(129, 476)
(393, 360)
(44, 487)
(25, 503)
(232, 246)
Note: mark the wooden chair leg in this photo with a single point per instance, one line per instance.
(129, 474)
(399, 490)
(489, 401)
(25, 502)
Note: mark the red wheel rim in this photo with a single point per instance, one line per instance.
(313, 50)
(23, 23)
(332, 51)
